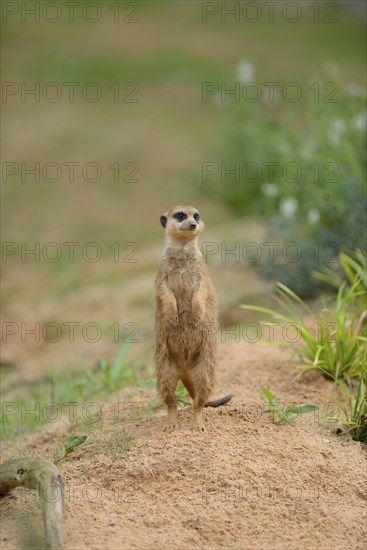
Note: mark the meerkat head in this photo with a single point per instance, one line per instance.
(182, 223)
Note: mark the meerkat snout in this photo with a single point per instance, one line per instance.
(181, 221)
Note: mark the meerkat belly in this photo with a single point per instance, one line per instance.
(183, 281)
(183, 289)
(184, 345)
(185, 339)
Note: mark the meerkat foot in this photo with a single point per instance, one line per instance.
(172, 422)
(198, 427)
(170, 427)
(197, 421)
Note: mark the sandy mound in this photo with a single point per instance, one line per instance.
(245, 483)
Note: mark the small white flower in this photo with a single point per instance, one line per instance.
(309, 149)
(331, 68)
(285, 148)
(336, 129)
(288, 207)
(353, 90)
(338, 125)
(245, 72)
(269, 189)
(313, 215)
(359, 122)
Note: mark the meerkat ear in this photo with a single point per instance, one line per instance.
(163, 221)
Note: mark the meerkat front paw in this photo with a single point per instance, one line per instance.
(172, 322)
(198, 314)
(171, 318)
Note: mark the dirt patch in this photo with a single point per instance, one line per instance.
(245, 483)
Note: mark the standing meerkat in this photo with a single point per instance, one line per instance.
(186, 318)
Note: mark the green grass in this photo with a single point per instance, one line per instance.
(353, 417)
(335, 343)
(285, 415)
(182, 395)
(118, 444)
(79, 388)
(69, 447)
(106, 377)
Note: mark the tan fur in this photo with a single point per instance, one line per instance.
(186, 318)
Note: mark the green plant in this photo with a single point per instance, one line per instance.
(333, 341)
(105, 376)
(326, 148)
(113, 375)
(310, 254)
(119, 444)
(355, 272)
(354, 407)
(76, 386)
(182, 396)
(287, 414)
(69, 446)
(301, 168)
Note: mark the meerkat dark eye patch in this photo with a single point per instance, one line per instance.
(163, 220)
(180, 216)
(197, 216)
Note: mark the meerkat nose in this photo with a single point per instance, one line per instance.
(192, 225)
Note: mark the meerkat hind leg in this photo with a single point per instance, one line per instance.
(172, 419)
(197, 420)
(189, 386)
(167, 388)
(203, 381)
(197, 408)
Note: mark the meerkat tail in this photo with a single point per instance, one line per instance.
(219, 402)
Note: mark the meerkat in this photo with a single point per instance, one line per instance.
(185, 318)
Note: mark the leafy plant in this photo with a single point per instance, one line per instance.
(69, 446)
(287, 414)
(182, 396)
(335, 341)
(114, 374)
(354, 407)
(355, 270)
(105, 377)
(326, 147)
(301, 168)
(68, 387)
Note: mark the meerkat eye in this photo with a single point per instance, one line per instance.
(197, 216)
(180, 216)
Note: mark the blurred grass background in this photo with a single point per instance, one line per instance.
(168, 133)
